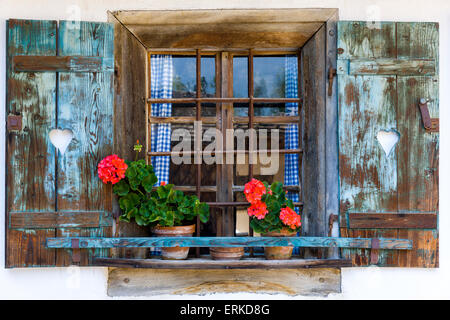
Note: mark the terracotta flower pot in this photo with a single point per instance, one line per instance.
(279, 253)
(174, 253)
(220, 253)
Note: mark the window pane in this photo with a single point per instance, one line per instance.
(240, 109)
(269, 75)
(184, 73)
(208, 78)
(240, 77)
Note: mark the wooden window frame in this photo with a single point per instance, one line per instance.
(224, 88)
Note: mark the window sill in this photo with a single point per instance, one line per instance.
(207, 263)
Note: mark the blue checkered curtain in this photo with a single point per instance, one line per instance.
(161, 88)
(291, 170)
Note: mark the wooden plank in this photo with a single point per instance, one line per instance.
(130, 93)
(223, 16)
(225, 178)
(208, 263)
(85, 106)
(331, 133)
(49, 220)
(62, 64)
(233, 35)
(361, 39)
(237, 28)
(399, 67)
(418, 167)
(393, 220)
(314, 221)
(367, 104)
(30, 157)
(150, 282)
(310, 242)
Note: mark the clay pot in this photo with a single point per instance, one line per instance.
(220, 253)
(174, 253)
(279, 253)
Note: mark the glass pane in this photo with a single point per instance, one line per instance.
(184, 77)
(266, 109)
(275, 109)
(209, 109)
(240, 77)
(208, 77)
(183, 109)
(270, 74)
(240, 109)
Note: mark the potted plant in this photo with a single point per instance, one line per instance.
(169, 212)
(272, 215)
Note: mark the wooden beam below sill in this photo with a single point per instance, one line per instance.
(208, 263)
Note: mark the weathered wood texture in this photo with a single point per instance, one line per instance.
(85, 105)
(150, 282)
(208, 263)
(30, 157)
(209, 29)
(306, 242)
(331, 134)
(406, 180)
(54, 219)
(62, 64)
(41, 180)
(399, 67)
(392, 220)
(313, 87)
(130, 85)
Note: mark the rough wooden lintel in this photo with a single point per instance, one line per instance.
(151, 282)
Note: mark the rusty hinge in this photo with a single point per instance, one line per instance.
(331, 220)
(331, 75)
(14, 123)
(430, 125)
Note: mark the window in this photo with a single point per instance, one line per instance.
(356, 80)
(206, 88)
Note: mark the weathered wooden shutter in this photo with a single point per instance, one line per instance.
(384, 70)
(58, 76)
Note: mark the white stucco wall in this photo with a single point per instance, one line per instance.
(357, 283)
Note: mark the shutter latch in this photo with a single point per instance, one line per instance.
(331, 75)
(14, 122)
(430, 125)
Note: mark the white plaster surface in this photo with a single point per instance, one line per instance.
(357, 283)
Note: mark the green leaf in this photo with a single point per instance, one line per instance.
(140, 221)
(131, 172)
(203, 212)
(149, 181)
(256, 226)
(121, 188)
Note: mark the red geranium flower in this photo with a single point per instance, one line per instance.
(290, 218)
(163, 183)
(112, 169)
(258, 209)
(254, 190)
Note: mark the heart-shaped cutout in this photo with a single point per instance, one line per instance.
(60, 139)
(388, 140)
